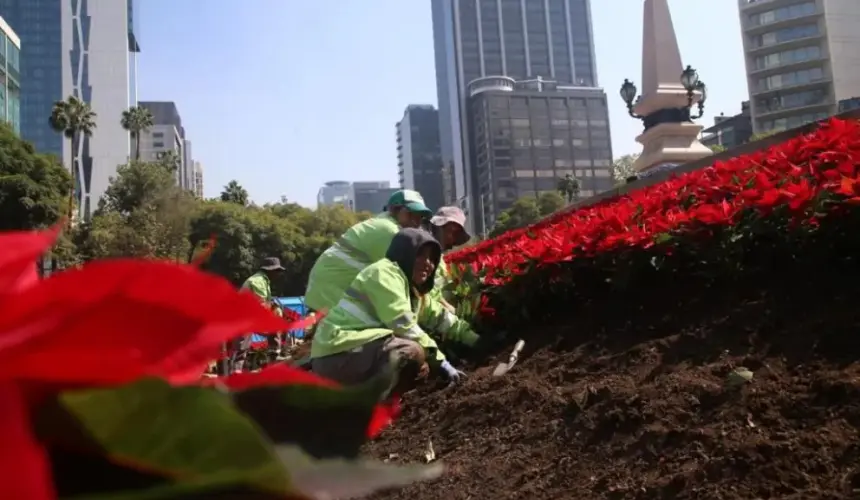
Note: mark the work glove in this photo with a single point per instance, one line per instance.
(454, 375)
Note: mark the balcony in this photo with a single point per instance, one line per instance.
(787, 65)
(777, 110)
(782, 45)
(804, 14)
(753, 6)
(791, 88)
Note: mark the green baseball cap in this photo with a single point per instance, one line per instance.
(412, 200)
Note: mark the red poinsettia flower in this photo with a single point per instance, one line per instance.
(20, 252)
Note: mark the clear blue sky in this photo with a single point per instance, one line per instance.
(283, 95)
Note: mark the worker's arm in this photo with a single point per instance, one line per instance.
(386, 289)
(435, 316)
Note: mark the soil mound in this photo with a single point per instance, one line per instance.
(630, 399)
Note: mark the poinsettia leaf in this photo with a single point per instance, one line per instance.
(186, 435)
(325, 421)
(22, 459)
(19, 251)
(338, 478)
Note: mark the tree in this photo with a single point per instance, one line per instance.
(717, 148)
(33, 187)
(568, 186)
(548, 203)
(527, 210)
(74, 119)
(137, 120)
(622, 168)
(143, 214)
(234, 193)
(170, 160)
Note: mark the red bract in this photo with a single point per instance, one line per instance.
(112, 322)
(791, 175)
(19, 253)
(22, 459)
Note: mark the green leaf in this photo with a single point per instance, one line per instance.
(324, 421)
(328, 479)
(191, 436)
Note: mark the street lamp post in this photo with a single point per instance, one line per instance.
(692, 84)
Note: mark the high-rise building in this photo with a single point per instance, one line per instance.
(167, 135)
(520, 39)
(529, 135)
(10, 71)
(370, 196)
(85, 48)
(801, 59)
(335, 193)
(419, 160)
(198, 179)
(187, 176)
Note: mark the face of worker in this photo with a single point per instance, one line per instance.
(405, 218)
(424, 265)
(451, 233)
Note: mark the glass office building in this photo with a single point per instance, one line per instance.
(10, 76)
(520, 39)
(58, 60)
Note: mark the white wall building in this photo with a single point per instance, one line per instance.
(802, 59)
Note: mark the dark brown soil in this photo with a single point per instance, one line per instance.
(630, 400)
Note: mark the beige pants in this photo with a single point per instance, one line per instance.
(361, 364)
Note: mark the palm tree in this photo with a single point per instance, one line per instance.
(568, 186)
(137, 120)
(75, 119)
(234, 193)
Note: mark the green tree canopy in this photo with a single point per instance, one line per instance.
(527, 210)
(234, 193)
(622, 168)
(33, 187)
(142, 214)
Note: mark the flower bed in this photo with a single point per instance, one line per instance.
(639, 313)
(713, 217)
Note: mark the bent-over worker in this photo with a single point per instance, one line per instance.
(377, 320)
(360, 246)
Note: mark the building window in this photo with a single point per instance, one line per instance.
(792, 78)
(788, 57)
(785, 35)
(158, 144)
(782, 14)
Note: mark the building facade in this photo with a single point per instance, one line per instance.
(85, 48)
(802, 58)
(521, 39)
(730, 131)
(419, 159)
(10, 72)
(370, 196)
(335, 193)
(167, 136)
(198, 179)
(526, 136)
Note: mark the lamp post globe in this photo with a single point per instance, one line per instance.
(703, 89)
(690, 79)
(628, 91)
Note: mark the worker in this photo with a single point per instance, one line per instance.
(379, 318)
(259, 284)
(361, 245)
(449, 228)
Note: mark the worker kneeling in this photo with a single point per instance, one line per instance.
(377, 320)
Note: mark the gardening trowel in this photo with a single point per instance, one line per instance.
(504, 368)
